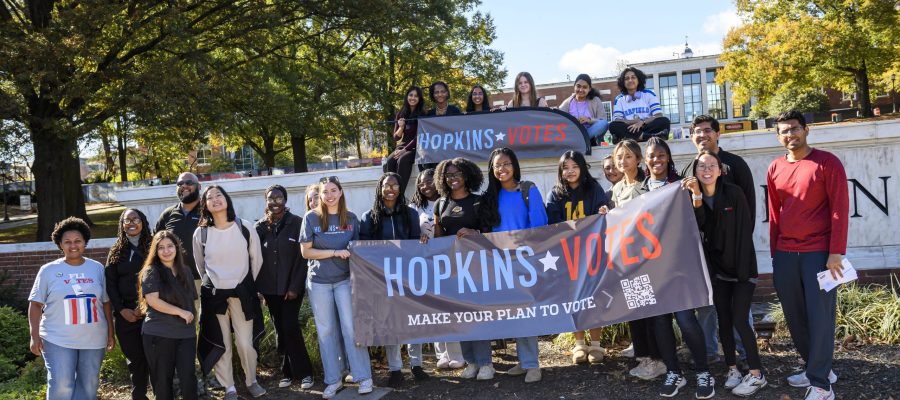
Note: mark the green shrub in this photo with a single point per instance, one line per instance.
(8, 369)
(864, 312)
(611, 335)
(14, 338)
(115, 367)
(31, 383)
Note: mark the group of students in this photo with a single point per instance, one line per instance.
(637, 113)
(146, 285)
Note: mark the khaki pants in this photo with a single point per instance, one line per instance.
(243, 340)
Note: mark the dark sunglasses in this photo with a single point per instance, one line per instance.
(331, 178)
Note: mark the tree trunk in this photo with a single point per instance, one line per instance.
(269, 152)
(57, 177)
(298, 150)
(107, 157)
(123, 156)
(861, 78)
(356, 136)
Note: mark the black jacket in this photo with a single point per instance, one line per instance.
(591, 203)
(211, 343)
(122, 279)
(736, 172)
(392, 227)
(727, 233)
(183, 225)
(283, 268)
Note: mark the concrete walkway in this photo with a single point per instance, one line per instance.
(21, 220)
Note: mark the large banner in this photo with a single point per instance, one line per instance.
(530, 132)
(640, 260)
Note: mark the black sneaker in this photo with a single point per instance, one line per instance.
(396, 379)
(706, 386)
(420, 373)
(674, 382)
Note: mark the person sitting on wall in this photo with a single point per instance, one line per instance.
(637, 114)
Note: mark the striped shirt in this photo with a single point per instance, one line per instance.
(73, 297)
(643, 105)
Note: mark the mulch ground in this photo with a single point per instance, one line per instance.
(866, 372)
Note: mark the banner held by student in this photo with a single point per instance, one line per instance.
(530, 132)
(642, 259)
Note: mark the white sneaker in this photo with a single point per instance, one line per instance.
(485, 373)
(733, 378)
(470, 372)
(443, 363)
(365, 386)
(749, 385)
(332, 390)
(595, 354)
(455, 364)
(652, 370)
(628, 351)
(642, 363)
(801, 380)
(306, 383)
(284, 383)
(814, 393)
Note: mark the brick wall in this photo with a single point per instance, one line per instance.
(23, 266)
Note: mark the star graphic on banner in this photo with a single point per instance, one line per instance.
(500, 136)
(549, 262)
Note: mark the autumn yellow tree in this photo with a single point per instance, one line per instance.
(787, 45)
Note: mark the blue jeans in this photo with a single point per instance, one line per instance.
(597, 129)
(395, 360)
(477, 352)
(527, 350)
(72, 374)
(332, 308)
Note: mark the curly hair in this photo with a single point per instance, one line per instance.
(119, 249)
(183, 276)
(489, 209)
(585, 180)
(470, 172)
(642, 79)
(378, 207)
(70, 224)
(418, 198)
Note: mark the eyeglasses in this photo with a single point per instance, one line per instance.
(502, 166)
(276, 200)
(706, 131)
(132, 221)
(185, 182)
(793, 131)
(707, 167)
(331, 178)
(452, 175)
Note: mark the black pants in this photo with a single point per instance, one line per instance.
(658, 127)
(167, 356)
(691, 333)
(295, 362)
(732, 300)
(643, 338)
(129, 336)
(402, 166)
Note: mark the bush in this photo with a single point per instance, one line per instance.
(611, 335)
(29, 385)
(115, 367)
(14, 340)
(864, 312)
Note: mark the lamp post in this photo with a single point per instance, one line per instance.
(893, 103)
(334, 144)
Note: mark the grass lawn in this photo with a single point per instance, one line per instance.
(105, 226)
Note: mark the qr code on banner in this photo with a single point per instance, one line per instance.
(638, 292)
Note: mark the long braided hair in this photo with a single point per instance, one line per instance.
(378, 207)
(119, 250)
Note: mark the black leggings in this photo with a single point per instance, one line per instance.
(129, 336)
(295, 362)
(658, 127)
(166, 356)
(732, 301)
(643, 337)
(691, 333)
(402, 166)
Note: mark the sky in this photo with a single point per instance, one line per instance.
(553, 39)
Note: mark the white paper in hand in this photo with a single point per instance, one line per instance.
(828, 283)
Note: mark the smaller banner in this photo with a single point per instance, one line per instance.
(642, 259)
(530, 132)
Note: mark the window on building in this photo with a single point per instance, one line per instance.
(243, 159)
(649, 84)
(716, 105)
(607, 108)
(740, 110)
(668, 97)
(693, 98)
(204, 153)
